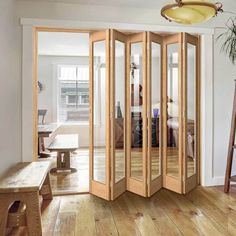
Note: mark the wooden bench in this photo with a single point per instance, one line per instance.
(64, 144)
(24, 183)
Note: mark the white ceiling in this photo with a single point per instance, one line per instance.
(137, 3)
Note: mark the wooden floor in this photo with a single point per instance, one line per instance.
(78, 182)
(203, 211)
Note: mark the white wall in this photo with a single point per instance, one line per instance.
(10, 86)
(224, 76)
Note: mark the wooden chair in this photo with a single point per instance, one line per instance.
(41, 146)
(41, 114)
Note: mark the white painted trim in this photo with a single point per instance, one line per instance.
(206, 82)
(27, 93)
(118, 26)
(207, 110)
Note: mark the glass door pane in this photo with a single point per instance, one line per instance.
(191, 110)
(155, 110)
(119, 110)
(173, 110)
(99, 114)
(136, 111)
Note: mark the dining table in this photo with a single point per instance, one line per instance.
(44, 131)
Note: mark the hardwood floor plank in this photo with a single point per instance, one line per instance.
(50, 211)
(125, 221)
(104, 221)
(85, 222)
(206, 225)
(66, 224)
(161, 220)
(143, 219)
(180, 215)
(208, 207)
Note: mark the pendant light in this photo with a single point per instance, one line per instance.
(191, 11)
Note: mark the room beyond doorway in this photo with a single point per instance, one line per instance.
(63, 107)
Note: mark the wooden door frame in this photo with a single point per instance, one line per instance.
(156, 184)
(190, 182)
(171, 182)
(95, 187)
(119, 187)
(135, 185)
(166, 181)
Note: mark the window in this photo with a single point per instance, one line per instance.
(73, 97)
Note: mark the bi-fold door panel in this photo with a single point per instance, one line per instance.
(181, 116)
(191, 117)
(154, 112)
(172, 113)
(136, 114)
(144, 113)
(99, 114)
(118, 113)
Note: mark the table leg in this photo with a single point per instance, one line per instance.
(63, 163)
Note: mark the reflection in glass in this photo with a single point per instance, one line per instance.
(155, 108)
(191, 109)
(120, 110)
(172, 111)
(99, 111)
(136, 87)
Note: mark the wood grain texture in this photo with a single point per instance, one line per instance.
(25, 177)
(203, 211)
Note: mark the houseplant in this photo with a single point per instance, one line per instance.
(229, 39)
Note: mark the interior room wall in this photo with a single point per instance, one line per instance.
(10, 86)
(224, 72)
(224, 76)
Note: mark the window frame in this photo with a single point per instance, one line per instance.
(58, 92)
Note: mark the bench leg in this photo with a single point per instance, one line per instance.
(33, 214)
(4, 205)
(67, 160)
(46, 190)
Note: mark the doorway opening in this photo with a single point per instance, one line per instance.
(128, 118)
(63, 106)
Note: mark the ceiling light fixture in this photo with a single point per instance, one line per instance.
(191, 11)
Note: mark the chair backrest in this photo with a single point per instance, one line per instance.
(41, 114)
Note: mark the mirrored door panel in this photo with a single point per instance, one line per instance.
(118, 110)
(136, 114)
(172, 113)
(154, 112)
(99, 114)
(191, 118)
